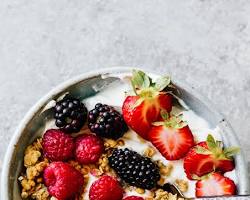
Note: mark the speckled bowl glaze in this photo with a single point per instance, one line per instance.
(83, 86)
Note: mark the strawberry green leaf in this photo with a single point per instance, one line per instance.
(162, 83)
(164, 114)
(202, 150)
(231, 151)
(219, 144)
(175, 122)
(139, 80)
(211, 143)
(181, 125)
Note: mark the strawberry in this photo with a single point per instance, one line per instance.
(172, 137)
(208, 156)
(215, 184)
(142, 108)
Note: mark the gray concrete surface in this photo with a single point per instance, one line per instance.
(203, 42)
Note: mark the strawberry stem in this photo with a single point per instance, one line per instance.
(149, 92)
(140, 81)
(217, 149)
(164, 115)
(170, 121)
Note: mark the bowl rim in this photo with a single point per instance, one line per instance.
(119, 69)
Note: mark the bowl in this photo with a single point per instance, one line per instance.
(89, 84)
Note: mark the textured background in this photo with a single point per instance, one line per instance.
(45, 42)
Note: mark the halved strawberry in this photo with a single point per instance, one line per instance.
(171, 137)
(143, 108)
(208, 156)
(215, 184)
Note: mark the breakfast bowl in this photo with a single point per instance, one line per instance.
(103, 86)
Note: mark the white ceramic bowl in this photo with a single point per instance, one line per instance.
(32, 126)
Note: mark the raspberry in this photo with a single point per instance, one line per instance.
(133, 198)
(57, 145)
(62, 180)
(88, 149)
(106, 188)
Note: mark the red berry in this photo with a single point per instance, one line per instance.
(172, 137)
(145, 113)
(88, 149)
(143, 108)
(57, 145)
(62, 180)
(215, 184)
(106, 188)
(208, 156)
(133, 198)
(196, 163)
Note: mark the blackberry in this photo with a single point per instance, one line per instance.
(70, 114)
(134, 169)
(106, 122)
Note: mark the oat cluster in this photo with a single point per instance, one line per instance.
(31, 180)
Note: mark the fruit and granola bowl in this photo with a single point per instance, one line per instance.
(123, 135)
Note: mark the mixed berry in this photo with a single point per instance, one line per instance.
(106, 122)
(70, 114)
(62, 180)
(88, 149)
(106, 188)
(58, 146)
(135, 169)
(63, 162)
